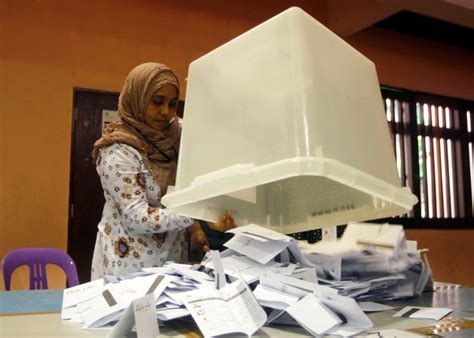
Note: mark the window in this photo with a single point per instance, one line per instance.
(433, 140)
(433, 144)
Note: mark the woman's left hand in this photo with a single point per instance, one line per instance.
(198, 244)
(226, 222)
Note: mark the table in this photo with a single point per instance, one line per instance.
(37, 313)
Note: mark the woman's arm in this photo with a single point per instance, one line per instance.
(121, 172)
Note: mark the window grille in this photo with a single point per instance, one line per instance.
(433, 144)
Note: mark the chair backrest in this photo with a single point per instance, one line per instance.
(37, 259)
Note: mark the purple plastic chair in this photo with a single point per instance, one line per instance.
(37, 259)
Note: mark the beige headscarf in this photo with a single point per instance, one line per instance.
(159, 149)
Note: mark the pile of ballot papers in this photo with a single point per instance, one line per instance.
(370, 262)
(263, 278)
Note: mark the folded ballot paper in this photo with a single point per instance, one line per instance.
(231, 309)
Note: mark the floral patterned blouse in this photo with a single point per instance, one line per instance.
(135, 231)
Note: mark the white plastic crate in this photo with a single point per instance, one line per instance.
(284, 126)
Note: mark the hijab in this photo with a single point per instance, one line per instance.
(159, 148)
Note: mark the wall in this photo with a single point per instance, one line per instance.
(49, 47)
(450, 253)
(417, 64)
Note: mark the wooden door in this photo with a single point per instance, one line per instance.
(86, 198)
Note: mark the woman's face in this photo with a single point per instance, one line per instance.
(162, 107)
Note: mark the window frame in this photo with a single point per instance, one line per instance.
(413, 130)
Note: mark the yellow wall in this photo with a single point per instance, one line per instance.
(48, 47)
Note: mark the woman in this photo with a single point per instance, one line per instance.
(136, 160)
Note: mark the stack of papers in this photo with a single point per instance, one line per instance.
(262, 278)
(370, 262)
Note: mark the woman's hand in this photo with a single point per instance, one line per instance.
(226, 222)
(198, 245)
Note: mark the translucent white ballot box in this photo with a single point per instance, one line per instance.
(284, 126)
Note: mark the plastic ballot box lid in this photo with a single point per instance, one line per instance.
(284, 126)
